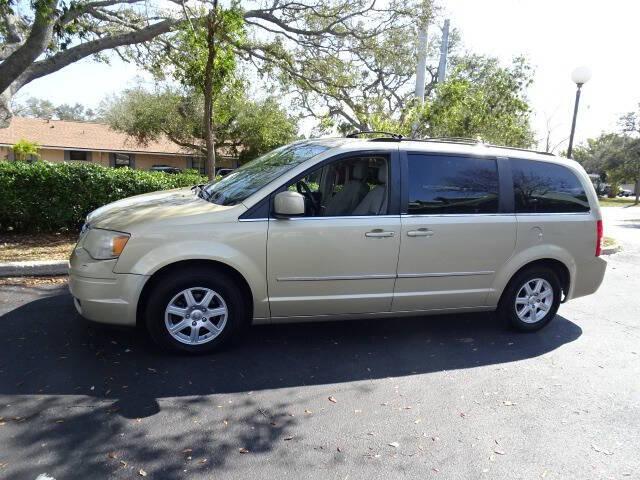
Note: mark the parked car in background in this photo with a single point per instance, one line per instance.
(345, 228)
(223, 172)
(165, 169)
(623, 192)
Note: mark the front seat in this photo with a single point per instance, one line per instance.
(346, 200)
(375, 202)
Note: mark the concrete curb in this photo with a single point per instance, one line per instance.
(34, 268)
(611, 249)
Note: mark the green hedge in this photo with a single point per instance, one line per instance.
(52, 197)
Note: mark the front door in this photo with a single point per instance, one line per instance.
(341, 256)
(454, 236)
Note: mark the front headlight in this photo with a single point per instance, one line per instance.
(104, 244)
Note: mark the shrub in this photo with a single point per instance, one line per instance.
(51, 197)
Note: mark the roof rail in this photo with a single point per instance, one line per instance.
(472, 141)
(457, 140)
(394, 136)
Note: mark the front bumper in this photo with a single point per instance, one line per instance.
(101, 295)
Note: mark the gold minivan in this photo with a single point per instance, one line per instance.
(345, 228)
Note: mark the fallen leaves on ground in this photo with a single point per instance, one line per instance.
(601, 450)
(142, 473)
(333, 400)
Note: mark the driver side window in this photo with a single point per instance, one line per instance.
(348, 187)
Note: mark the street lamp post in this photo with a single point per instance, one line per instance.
(580, 76)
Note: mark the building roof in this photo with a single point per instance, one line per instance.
(59, 134)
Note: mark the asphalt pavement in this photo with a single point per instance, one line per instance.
(446, 397)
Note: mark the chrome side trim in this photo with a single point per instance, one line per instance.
(552, 213)
(444, 274)
(382, 276)
(337, 277)
(471, 215)
(253, 219)
(346, 217)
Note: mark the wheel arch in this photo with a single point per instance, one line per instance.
(172, 268)
(557, 266)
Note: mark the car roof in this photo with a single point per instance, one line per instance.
(436, 145)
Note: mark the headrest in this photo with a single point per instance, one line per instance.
(359, 171)
(382, 173)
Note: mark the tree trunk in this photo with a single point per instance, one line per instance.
(637, 190)
(209, 136)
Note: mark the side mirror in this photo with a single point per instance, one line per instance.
(288, 204)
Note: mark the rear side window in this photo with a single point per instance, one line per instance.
(452, 184)
(541, 187)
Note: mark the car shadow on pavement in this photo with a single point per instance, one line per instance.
(104, 402)
(59, 353)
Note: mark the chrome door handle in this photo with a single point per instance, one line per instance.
(379, 233)
(421, 232)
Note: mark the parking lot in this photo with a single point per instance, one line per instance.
(438, 397)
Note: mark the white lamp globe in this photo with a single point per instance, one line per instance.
(581, 75)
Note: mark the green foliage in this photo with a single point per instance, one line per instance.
(191, 45)
(25, 150)
(481, 99)
(616, 157)
(49, 197)
(243, 127)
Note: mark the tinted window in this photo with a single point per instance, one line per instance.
(443, 184)
(542, 187)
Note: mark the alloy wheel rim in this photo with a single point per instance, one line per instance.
(196, 315)
(534, 300)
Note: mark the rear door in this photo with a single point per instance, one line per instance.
(456, 230)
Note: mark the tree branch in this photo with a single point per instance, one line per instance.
(34, 45)
(67, 57)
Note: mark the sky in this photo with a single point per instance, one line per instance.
(555, 35)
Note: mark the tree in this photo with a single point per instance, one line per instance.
(39, 37)
(615, 157)
(40, 108)
(480, 99)
(630, 167)
(25, 150)
(244, 127)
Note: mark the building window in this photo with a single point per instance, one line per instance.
(79, 155)
(122, 160)
(199, 164)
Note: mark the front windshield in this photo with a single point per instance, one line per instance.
(251, 177)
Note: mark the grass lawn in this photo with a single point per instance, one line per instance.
(38, 246)
(616, 202)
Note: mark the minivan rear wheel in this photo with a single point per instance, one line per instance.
(531, 299)
(195, 311)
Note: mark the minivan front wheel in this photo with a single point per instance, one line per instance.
(195, 311)
(531, 300)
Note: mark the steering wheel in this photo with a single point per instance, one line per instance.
(304, 189)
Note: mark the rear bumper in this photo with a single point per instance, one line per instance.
(588, 278)
(106, 297)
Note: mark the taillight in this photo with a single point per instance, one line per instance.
(599, 233)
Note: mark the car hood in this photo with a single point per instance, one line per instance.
(150, 207)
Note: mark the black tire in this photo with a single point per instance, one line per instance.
(507, 307)
(166, 289)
